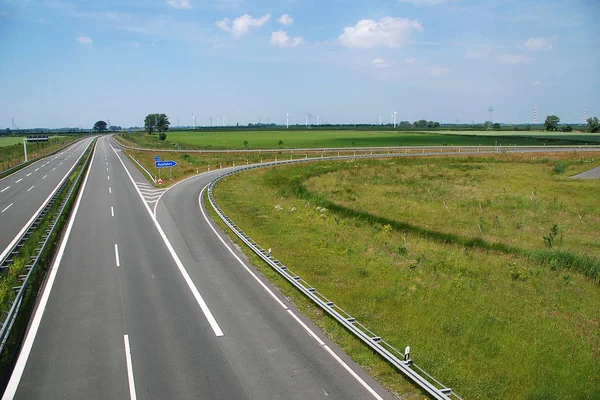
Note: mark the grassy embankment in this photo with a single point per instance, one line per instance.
(234, 140)
(449, 256)
(11, 149)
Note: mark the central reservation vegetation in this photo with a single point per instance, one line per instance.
(487, 267)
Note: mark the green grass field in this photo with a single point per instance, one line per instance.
(11, 149)
(9, 141)
(449, 256)
(342, 139)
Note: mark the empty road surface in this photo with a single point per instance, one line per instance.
(24, 192)
(143, 307)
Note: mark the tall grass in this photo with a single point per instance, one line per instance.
(489, 318)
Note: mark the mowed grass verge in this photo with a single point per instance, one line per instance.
(489, 321)
(234, 140)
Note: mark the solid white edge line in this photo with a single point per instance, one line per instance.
(203, 306)
(306, 328)
(117, 255)
(15, 378)
(310, 332)
(132, 394)
(354, 374)
(265, 287)
(14, 241)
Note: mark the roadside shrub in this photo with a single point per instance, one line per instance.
(559, 168)
(162, 136)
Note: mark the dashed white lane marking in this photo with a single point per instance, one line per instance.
(186, 276)
(132, 394)
(53, 168)
(44, 177)
(117, 255)
(109, 190)
(106, 168)
(36, 170)
(108, 176)
(112, 211)
(15, 378)
(19, 180)
(7, 207)
(6, 188)
(28, 174)
(30, 188)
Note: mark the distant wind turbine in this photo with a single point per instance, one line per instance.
(287, 120)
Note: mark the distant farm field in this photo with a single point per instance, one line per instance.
(336, 139)
(9, 141)
(486, 266)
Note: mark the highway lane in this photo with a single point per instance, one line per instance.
(272, 354)
(23, 192)
(117, 286)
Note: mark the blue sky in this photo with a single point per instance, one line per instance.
(71, 63)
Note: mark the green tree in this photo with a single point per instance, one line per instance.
(566, 128)
(150, 123)
(594, 124)
(551, 123)
(527, 127)
(100, 126)
(162, 123)
(496, 127)
(162, 136)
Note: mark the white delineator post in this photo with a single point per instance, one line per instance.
(25, 148)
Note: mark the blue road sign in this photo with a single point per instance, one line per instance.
(165, 164)
(156, 158)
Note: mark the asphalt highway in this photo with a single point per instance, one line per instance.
(23, 192)
(142, 307)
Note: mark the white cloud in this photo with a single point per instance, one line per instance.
(281, 39)
(84, 39)
(241, 25)
(420, 3)
(538, 44)
(389, 32)
(512, 59)
(537, 83)
(438, 70)
(185, 4)
(285, 20)
(477, 52)
(410, 60)
(380, 63)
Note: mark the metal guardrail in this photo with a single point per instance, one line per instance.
(411, 370)
(11, 316)
(482, 148)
